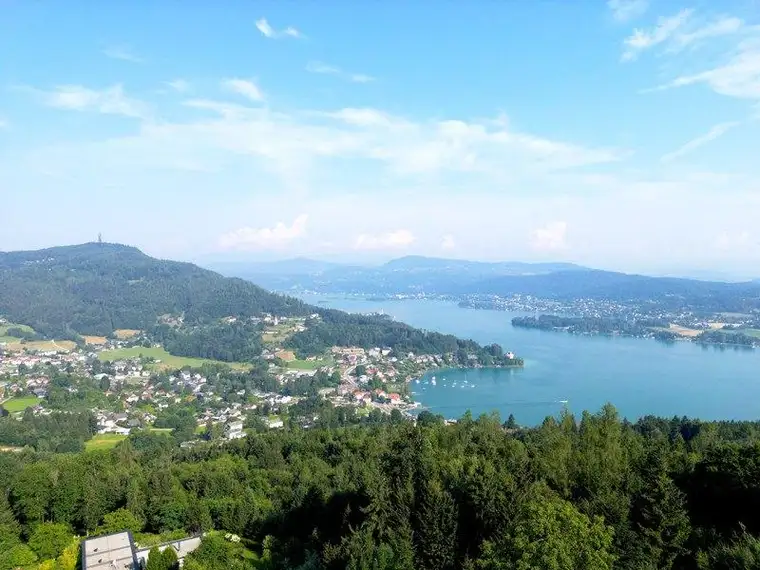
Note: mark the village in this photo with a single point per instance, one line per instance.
(128, 386)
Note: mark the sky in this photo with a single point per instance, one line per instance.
(622, 134)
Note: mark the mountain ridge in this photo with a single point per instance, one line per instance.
(95, 289)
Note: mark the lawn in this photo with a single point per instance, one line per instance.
(20, 404)
(4, 328)
(279, 333)
(12, 340)
(167, 360)
(104, 441)
(42, 345)
(750, 332)
(309, 364)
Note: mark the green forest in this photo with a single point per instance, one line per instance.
(594, 492)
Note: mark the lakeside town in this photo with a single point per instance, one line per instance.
(130, 383)
(650, 319)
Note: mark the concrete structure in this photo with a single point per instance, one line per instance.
(181, 547)
(118, 551)
(110, 552)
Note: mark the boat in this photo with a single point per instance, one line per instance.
(433, 381)
(563, 401)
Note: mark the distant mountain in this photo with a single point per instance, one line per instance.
(403, 275)
(564, 281)
(413, 263)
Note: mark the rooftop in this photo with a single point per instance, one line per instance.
(109, 552)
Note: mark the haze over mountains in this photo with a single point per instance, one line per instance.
(416, 274)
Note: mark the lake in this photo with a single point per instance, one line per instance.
(638, 376)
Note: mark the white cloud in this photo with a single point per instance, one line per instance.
(122, 53)
(251, 239)
(738, 77)
(108, 101)
(361, 78)
(244, 87)
(641, 40)
(265, 28)
(325, 69)
(550, 237)
(626, 10)
(715, 132)
(398, 239)
(722, 27)
(178, 85)
(448, 242)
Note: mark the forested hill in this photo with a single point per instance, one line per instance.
(96, 288)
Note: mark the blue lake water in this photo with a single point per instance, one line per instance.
(638, 376)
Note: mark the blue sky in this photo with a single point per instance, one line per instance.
(620, 134)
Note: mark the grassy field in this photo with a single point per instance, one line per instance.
(683, 331)
(4, 328)
(42, 346)
(20, 404)
(750, 332)
(95, 339)
(103, 441)
(12, 340)
(280, 333)
(309, 364)
(125, 333)
(167, 360)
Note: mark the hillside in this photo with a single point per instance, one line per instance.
(97, 288)
(608, 285)
(563, 281)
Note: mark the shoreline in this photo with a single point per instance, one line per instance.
(418, 376)
(678, 338)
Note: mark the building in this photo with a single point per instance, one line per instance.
(234, 430)
(110, 552)
(118, 551)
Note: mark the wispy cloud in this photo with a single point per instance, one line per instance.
(641, 40)
(627, 10)
(325, 69)
(724, 26)
(715, 132)
(551, 237)
(680, 31)
(251, 239)
(244, 87)
(268, 31)
(398, 239)
(178, 85)
(122, 53)
(109, 101)
(738, 76)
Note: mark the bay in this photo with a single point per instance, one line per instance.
(638, 376)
